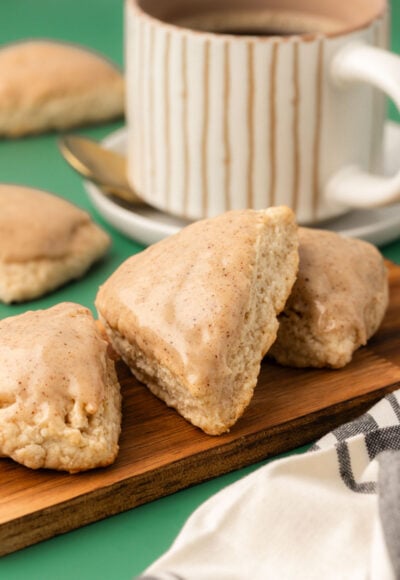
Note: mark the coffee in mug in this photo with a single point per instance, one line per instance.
(261, 22)
(248, 104)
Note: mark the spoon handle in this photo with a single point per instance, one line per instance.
(104, 167)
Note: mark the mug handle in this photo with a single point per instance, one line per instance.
(351, 186)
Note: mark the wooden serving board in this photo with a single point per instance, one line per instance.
(162, 453)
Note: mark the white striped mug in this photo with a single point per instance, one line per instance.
(253, 103)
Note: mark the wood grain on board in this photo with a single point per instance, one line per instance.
(161, 453)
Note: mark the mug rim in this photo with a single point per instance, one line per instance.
(206, 34)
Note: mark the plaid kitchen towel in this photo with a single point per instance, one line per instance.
(330, 513)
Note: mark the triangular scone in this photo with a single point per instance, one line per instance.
(337, 303)
(52, 85)
(60, 403)
(193, 315)
(45, 241)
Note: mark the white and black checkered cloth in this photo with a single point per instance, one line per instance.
(330, 513)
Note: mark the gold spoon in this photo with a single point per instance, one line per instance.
(96, 163)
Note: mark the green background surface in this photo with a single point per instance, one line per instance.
(119, 547)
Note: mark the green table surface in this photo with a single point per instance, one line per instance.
(119, 547)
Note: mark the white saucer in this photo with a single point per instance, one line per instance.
(147, 225)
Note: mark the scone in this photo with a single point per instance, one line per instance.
(193, 315)
(49, 85)
(337, 303)
(45, 241)
(60, 403)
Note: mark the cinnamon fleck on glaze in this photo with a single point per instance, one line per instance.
(59, 395)
(35, 224)
(336, 304)
(194, 314)
(40, 347)
(185, 309)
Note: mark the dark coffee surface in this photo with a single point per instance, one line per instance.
(259, 23)
(262, 32)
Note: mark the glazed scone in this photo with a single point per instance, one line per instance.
(337, 303)
(193, 315)
(60, 403)
(45, 242)
(48, 85)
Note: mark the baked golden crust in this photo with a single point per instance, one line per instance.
(45, 241)
(337, 303)
(60, 404)
(194, 314)
(49, 85)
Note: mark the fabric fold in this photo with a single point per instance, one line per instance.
(333, 512)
